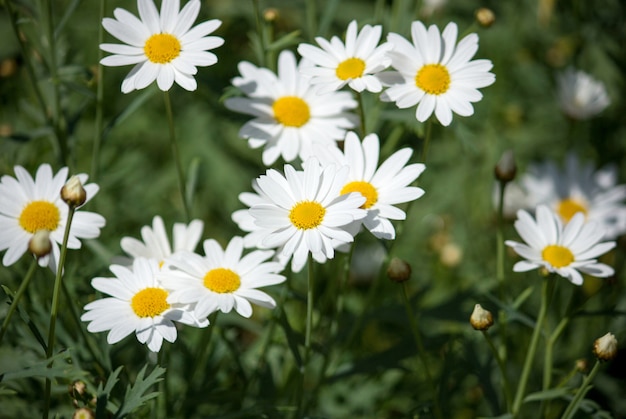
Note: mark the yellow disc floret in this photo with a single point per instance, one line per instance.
(364, 188)
(150, 302)
(307, 214)
(350, 68)
(568, 207)
(222, 280)
(434, 79)
(291, 111)
(161, 48)
(557, 256)
(40, 215)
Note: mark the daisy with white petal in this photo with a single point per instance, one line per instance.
(289, 115)
(156, 244)
(222, 279)
(578, 188)
(435, 73)
(163, 46)
(28, 205)
(580, 95)
(383, 186)
(566, 249)
(307, 212)
(137, 304)
(355, 63)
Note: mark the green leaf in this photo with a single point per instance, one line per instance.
(292, 337)
(135, 396)
(554, 393)
(129, 110)
(102, 395)
(292, 38)
(40, 369)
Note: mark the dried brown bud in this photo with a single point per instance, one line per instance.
(505, 168)
(481, 319)
(78, 388)
(605, 348)
(581, 365)
(485, 17)
(73, 192)
(39, 245)
(398, 270)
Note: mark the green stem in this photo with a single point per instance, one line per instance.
(427, 134)
(18, 297)
(502, 318)
(307, 334)
(161, 410)
(582, 390)
(530, 354)
(311, 18)
(547, 367)
(359, 98)
(421, 350)
(55, 304)
(97, 134)
(179, 167)
(501, 365)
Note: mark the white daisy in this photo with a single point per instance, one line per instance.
(435, 73)
(27, 206)
(307, 213)
(289, 114)
(355, 63)
(580, 95)
(578, 188)
(383, 186)
(139, 304)
(162, 46)
(566, 250)
(156, 244)
(222, 279)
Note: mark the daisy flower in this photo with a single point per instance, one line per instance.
(163, 46)
(222, 279)
(139, 304)
(435, 73)
(307, 212)
(580, 95)
(578, 188)
(355, 63)
(288, 113)
(28, 205)
(156, 244)
(383, 186)
(566, 249)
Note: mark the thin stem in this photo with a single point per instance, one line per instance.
(179, 167)
(502, 319)
(427, 134)
(530, 354)
(97, 134)
(582, 390)
(547, 367)
(311, 18)
(307, 334)
(161, 410)
(55, 303)
(421, 350)
(18, 297)
(501, 365)
(359, 98)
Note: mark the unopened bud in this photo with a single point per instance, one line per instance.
(39, 245)
(481, 319)
(485, 17)
(271, 14)
(505, 168)
(398, 270)
(78, 388)
(83, 413)
(581, 365)
(605, 348)
(73, 192)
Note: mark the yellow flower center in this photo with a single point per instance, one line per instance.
(307, 214)
(291, 111)
(150, 302)
(557, 256)
(364, 188)
(434, 79)
(222, 280)
(568, 207)
(161, 48)
(40, 215)
(350, 68)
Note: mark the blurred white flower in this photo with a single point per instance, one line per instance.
(580, 95)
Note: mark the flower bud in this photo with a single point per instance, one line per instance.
(605, 348)
(398, 270)
(78, 388)
(40, 245)
(481, 319)
(485, 17)
(271, 14)
(83, 413)
(581, 365)
(505, 168)
(73, 192)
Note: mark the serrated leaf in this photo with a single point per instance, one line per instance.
(135, 396)
(102, 395)
(41, 369)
